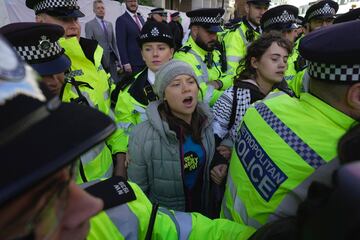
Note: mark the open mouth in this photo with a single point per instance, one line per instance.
(188, 101)
(71, 35)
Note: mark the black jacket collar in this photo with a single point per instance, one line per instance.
(141, 90)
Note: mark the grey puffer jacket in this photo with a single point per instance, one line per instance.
(155, 163)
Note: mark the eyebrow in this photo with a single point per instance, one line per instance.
(278, 55)
(177, 79)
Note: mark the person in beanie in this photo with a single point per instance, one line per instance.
(172, 153)
(132, 95)
(38, 196)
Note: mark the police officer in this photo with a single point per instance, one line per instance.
(158, 15)
(38, 197)
(176, 29)
(242, 34)
(132, 96)
(87, 82)
(321, 14)
(37, 43)
(201, 53)
(284, 143)
(353, 14)
(283, 18)
(318, 15)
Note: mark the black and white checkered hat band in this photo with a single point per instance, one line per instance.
(333, 72)
(205, 20)
(285, 17)
(324, 11)
(31, 53)
(46, 4)
(146, 35)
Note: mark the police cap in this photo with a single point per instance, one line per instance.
(37, 44)
(175, 14)
(209, 18)
(353, 14)
(160, 11)
(333, 52)
(56, 8)
(300, 20)
(154, 31)
(282, 17)
(322, 10)
(38, 138)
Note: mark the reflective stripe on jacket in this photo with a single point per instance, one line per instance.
(283, 144)
(197, 58)
(130, 221)
(97, 162)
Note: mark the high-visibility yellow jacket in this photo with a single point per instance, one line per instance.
(283, 144)
(207, 67)
(236, 43)
(93, 84)
(130, 220)
(131, 104)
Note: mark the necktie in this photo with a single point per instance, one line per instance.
(105, 30)
(137, 21)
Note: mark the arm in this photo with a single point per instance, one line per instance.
(114, 44)
(121, 39)
(89, 33)
(222, 112)
(235, 50)
(169, 224)
(138, 169)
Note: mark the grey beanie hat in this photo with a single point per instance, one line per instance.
(168, 72)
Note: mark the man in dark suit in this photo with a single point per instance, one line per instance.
(176, 29)
(103, 32)
(128, 28)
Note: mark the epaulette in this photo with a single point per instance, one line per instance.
(185, 49)
(113, 191)
(124, 82)
(234, 27)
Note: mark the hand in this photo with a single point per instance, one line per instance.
(216, 84)
(224, 151)
(218, 173)
(120, 165)
(127, 68)
(119, 68)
